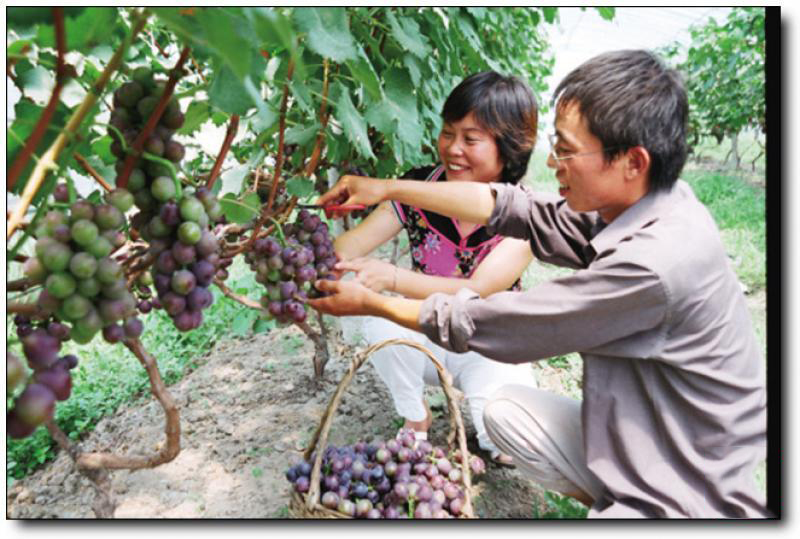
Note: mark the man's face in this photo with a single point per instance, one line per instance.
(586, 181)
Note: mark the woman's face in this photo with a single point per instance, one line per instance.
(469, 152)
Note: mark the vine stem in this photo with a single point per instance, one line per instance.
(276, 176)
(323, 118)
(104, 505)
(230, 134)
(247, 302)
(138, 144)
(48, 159)
(91, 171)
(172, 429)
(44, 120)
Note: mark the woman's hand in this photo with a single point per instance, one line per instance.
(347, 298)
(375, 274)
(355, 190)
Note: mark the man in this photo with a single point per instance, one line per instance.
(673, 419)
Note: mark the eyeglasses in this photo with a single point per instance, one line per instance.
(553, 138)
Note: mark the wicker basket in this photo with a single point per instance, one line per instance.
(307, 505)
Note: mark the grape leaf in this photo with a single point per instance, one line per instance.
(301, 134)
(397, 113)
(606, 12)
(227, 38)
(232, 179)
(407, 33)
(299, 186)
(363, 72)
(101, 148)
(353, 123)
(196, 115)
(92, 27)
(327, 32)
(550, 14)
(240, 211)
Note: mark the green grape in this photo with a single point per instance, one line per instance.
(84, 232)
(60, 285)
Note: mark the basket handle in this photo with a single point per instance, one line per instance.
(320, 438)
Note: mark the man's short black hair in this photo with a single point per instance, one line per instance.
(630, 98)
(506, 107)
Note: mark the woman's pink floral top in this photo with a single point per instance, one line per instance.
(437, 247)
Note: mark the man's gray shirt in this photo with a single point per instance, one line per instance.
(674, 402)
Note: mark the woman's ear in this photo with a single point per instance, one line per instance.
(638, 164)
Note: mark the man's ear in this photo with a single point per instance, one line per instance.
(638, 164)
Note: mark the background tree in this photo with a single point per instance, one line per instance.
(724, 72)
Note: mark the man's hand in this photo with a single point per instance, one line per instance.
(375, 274)
(348, 298)
(355, 190)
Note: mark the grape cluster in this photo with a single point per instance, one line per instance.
(134, 102)
(186, 251)
(289, 263)
(83, 285)
(401, 478)
(176, 224)
(51, 380)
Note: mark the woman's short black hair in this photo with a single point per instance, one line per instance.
(506, 107)
(630, 98)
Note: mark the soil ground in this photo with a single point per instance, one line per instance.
(247, 412)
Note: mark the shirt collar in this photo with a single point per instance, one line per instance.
(645, 211)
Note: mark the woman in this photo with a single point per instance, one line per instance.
(488, 134)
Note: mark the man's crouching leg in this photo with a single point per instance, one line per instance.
(542, 432)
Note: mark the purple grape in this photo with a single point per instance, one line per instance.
(169, 213)
(302, 484)
(16, 428)
(70, 360)
(456, 506)
(58, 330)
(288, 289)
(145, 306)
(61, 192)
(183, 254)
(57, 379)
(199, 298)
(275, 308)
(184, 321)
(41, 349)
(162, 282)
(133, 328)
(113, 333)
(173, 303)
(204, 272)
(331, 482)
(35, 405)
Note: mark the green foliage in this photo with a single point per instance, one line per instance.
(724, 73)
(561, 507)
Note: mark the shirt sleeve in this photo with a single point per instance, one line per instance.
(557, 234)
(577, 313)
